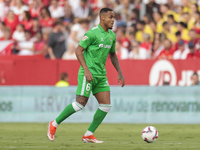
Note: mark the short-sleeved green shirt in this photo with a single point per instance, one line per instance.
(97, 44)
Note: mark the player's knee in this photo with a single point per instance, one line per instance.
(105, 107)
(77, 106)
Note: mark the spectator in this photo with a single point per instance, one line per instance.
(157, 48)
(153, 27)
(2, 29)
(6, 35)
(83, 10)
(121, 36)
(168, 51)
(193, 54)
(182, 27)
(146, 43)
(26, 47)
(147, 27)
(56, 42)
(78, 30)
(165, 10)
(137, 52)
(63, 80)
(69, 16)
(195, 79)
(27, 20)
(134, 17)
(194, 39)
(169, 35)
(178, 37)
(7, 50)
(11, 21)
(182, 52)
(179, 14)
(4, 7)
(140, 29)
(46, 20)
(172, 24)
(159, 21)
(36, 26)
(19, 34)
(197, 23)
(186, 6)
(124, 10)
(151, 7)
(122, 52)
(40, 47)
(56, 10)
(70, 53)
(188, 20)
(35, 9)
(19, 8)
(131, 36)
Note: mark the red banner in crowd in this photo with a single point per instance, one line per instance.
(32, 70)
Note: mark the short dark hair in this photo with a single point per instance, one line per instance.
(166, 5)
(159, 13)
(195, 74)
(27, 31)
(183, 24)
(178, 33)
(171, 16)
(104, 10)
(57, 22)
(165, 23)
(141, 22)
(63, 76)
(192, 30)
(83, 20)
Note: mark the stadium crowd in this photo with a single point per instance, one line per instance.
(167, 29)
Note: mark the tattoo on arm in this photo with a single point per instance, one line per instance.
(115, 62)
(81, 100)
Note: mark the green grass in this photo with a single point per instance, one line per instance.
(25, 136)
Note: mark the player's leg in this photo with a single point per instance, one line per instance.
(103, 98)
(81, 101)
(82, 95)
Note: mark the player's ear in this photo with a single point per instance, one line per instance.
(102, 17)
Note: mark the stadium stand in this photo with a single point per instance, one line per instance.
(160, 23)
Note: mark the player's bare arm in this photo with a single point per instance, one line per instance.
(81, 59)
(115, 63)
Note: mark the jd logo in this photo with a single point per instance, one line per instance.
(162, 71)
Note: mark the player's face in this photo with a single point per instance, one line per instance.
(109, 19)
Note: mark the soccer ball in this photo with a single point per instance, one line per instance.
(149, 134)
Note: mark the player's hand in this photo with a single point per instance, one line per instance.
(121, 79)
(88, 76)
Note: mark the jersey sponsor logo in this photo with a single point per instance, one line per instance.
(100, 45)
(84, 38)
(104, 46)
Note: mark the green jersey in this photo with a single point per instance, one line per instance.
(97, 44)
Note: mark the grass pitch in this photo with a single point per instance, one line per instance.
(25, 136)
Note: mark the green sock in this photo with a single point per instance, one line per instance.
(65, 113)
(98, 118)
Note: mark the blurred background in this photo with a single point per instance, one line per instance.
(158, 47)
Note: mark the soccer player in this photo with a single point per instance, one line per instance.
(92, 53)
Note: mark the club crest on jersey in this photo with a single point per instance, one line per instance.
(84, 38)
(110, 39)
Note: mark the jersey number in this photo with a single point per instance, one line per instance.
(88, 87)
